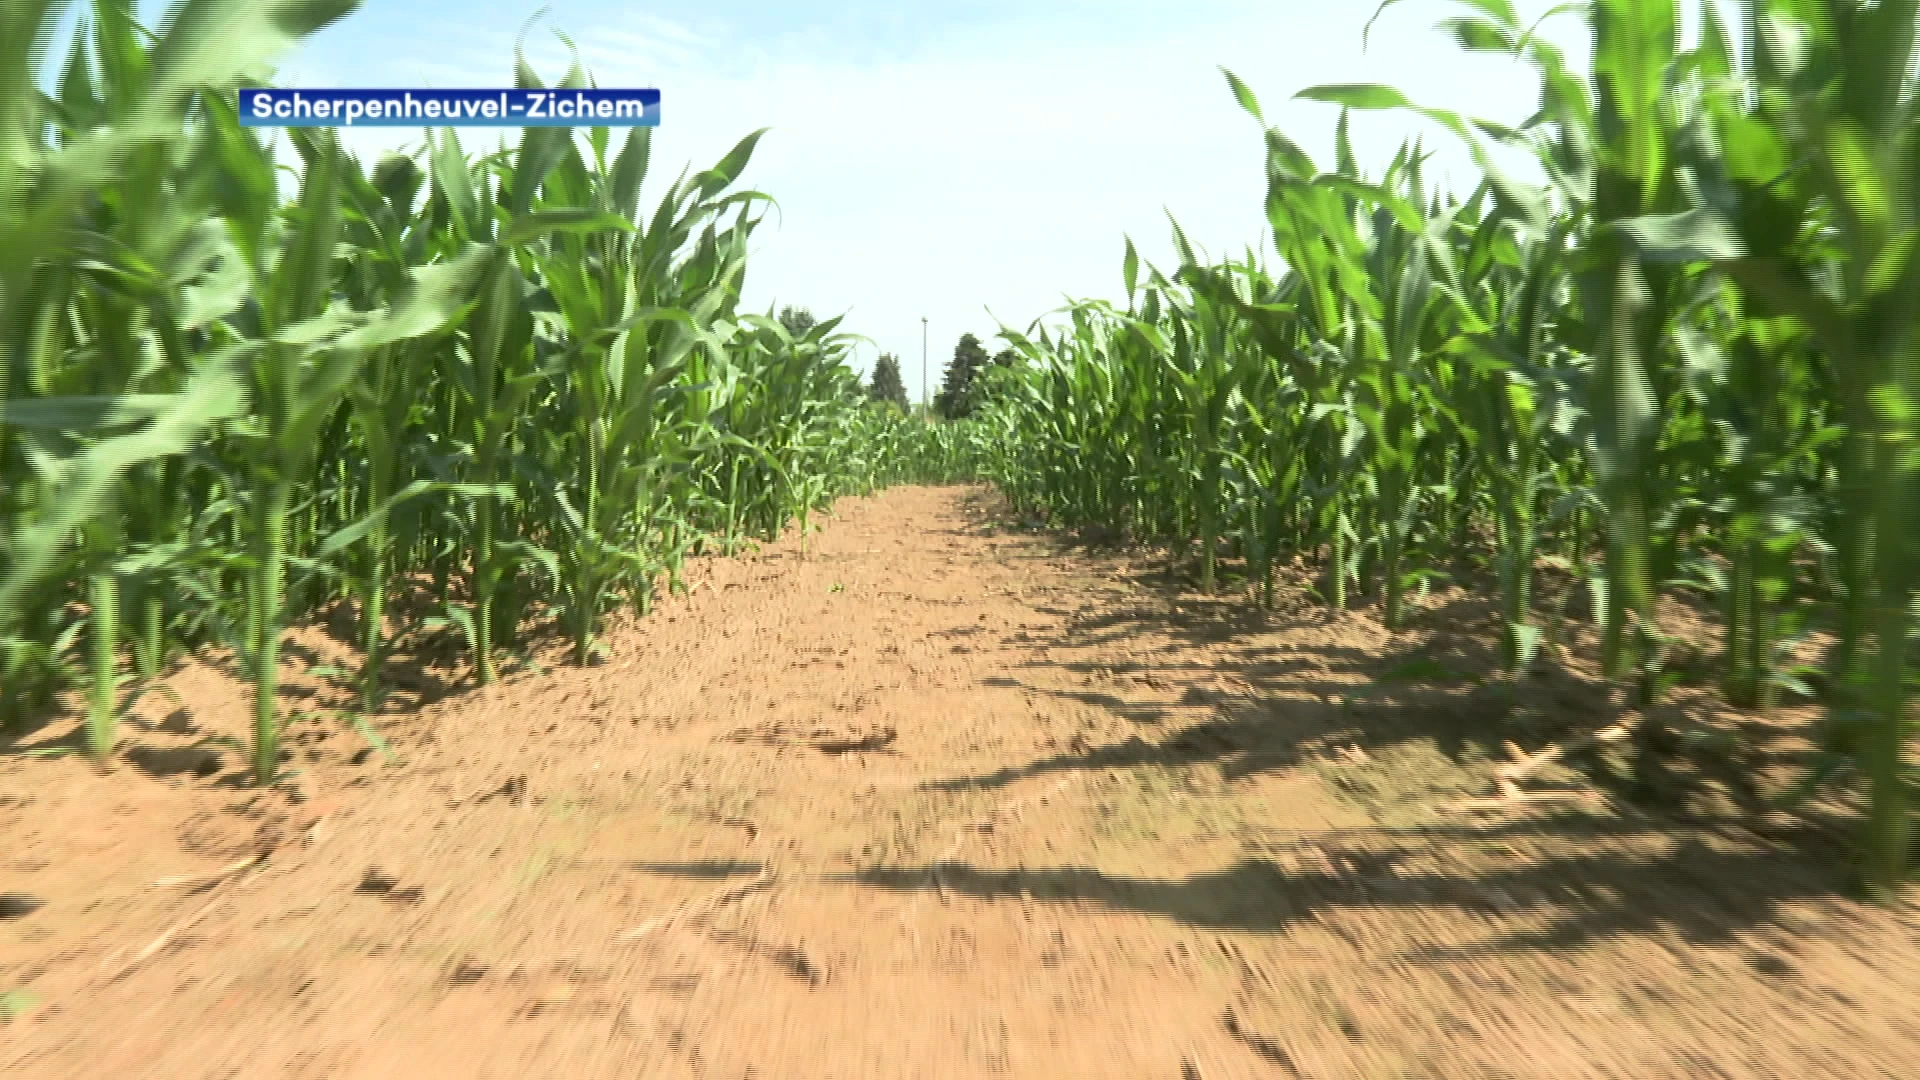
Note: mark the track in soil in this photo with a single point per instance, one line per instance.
(935, 797)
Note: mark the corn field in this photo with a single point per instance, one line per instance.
(499, 379)
(1686, 362)
(1683, 363)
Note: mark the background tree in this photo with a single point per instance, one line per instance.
(887, 384)
(953, 400)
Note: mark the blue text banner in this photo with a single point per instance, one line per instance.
(449, 108)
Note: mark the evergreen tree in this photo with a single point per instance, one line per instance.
(953, 401)
(887, 384)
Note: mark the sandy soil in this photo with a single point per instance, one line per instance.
(940, 796)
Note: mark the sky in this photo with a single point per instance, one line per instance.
(977, 163)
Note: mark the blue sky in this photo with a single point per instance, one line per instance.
(950, 160)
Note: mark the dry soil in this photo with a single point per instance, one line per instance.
(936, 796)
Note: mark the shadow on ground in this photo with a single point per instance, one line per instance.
(1705, 888)
(1238, 690)
(1247, 690)
(1586, 881)
(1252, 690)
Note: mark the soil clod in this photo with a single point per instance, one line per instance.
(798, 964)
(1266, 1048)
(514, 790)
(377, 881)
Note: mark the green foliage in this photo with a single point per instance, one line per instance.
(1689, 353)
(887, 384)
(499, 384)
(15, 1004)
(956, 400)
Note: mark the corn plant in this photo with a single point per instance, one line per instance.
(222, 413)
(1690, 349)
(1819, 127)
(86, 227)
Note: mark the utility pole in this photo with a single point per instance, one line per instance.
(926, 388)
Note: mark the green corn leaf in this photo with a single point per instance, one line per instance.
(1244, 95)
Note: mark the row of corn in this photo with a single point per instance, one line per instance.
(498, 381)
(1685, 363)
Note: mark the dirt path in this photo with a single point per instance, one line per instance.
(936, 798)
